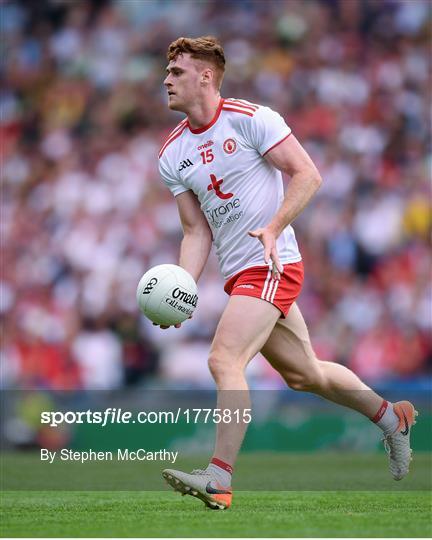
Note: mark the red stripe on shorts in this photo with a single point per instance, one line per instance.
(259, 283)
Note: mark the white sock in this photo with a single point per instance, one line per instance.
(222, 476)
(389, 420)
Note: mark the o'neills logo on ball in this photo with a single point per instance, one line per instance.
(229, 146)
(179, 298)
(191, 299)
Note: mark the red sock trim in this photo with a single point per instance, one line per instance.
(219, 463)
(380, 412)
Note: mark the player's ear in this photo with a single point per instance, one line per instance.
(207, 76)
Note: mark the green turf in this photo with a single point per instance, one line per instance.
(360, 499)
(316, 471)
(263, 514)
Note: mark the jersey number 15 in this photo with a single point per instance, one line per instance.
(207, 156)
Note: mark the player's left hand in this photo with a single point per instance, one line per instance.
(271, 257)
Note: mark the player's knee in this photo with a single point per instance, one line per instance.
(309, 381)
(222, 365)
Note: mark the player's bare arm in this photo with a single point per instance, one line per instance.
(197, 237)
(291, 158)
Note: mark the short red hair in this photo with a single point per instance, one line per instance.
(205, 48)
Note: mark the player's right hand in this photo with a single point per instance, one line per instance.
(164, 327)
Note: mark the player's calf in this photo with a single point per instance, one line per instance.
(304, 381)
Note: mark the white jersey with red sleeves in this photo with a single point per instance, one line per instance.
(239, 191)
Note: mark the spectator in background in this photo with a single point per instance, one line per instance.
(83, 213)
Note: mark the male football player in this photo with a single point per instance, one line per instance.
(223, 164)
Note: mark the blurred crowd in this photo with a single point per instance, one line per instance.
(84, 213)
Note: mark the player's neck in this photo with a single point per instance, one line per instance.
(202, 113)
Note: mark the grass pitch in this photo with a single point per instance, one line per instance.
(257, 514)
(383, 509)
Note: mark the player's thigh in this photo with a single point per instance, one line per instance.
(288, 348)
(244, 327)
